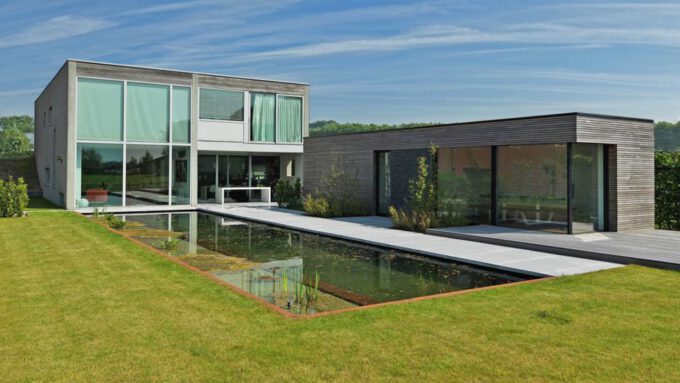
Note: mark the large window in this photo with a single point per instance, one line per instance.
(99, 175)
(181, 114)
(148, 112)
(216, 104)
(156, 168)
(289, 119)
(206, 178)
(532, 187)
(180, 175)
(263, 117)
(384, 182)
(588, 199)
(146, 175)
(464, 176)
(100, 110)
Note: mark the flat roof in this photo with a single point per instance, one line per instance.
(452, 124)
(183, 71)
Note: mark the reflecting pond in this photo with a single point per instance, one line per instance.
(301, 272)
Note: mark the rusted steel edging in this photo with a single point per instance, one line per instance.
(291, 315)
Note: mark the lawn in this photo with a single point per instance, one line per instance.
(80, 303)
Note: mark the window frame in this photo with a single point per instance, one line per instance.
(124, 142)
(233, 90)
(302, 119)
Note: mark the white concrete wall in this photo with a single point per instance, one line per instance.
(51, 138)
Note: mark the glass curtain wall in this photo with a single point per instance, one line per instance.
(239, 173)
(265, 172)
(181, 115)
(181, 163)
(532, 187)
(206, 178)
(289, 119)
(148, 112)
(100, 110)
(263, 117)
(99, 172)
(588, 199)
(147, 175)
(464, 177)
(155, 134)
(384, 183)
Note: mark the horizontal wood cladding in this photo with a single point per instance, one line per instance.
(631, 154)
(250, 84)
(631, 169)
(117, 72)
(539, 130)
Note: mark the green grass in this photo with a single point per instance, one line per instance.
(81, 304)
(39, 203)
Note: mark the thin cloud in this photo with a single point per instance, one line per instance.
(545, 34)
(56, 28)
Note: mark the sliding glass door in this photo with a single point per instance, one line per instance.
(532, 187)
(588, 204)
(464, 176)
(206, 178)
(384, 189)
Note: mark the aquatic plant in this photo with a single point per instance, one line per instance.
(116, 223)
(109, 217)
(285, 283)
(168, 244)
(307, 291)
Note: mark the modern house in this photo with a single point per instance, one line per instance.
(118, 135)
(564, 173)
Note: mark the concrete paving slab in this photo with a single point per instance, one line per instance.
(361, 230)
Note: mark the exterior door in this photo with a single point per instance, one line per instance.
(383, 189)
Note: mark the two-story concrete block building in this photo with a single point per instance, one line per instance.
(118, 135)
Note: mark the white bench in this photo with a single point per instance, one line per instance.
(266, 193)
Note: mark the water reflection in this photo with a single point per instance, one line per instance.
(301, 272)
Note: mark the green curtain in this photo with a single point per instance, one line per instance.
(100, 110)
(290, 119)
(148, 112)
(181, 114)
(263, 120)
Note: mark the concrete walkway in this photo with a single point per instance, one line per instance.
(499, 257)
(650, 247)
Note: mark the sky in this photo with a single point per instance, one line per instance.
(372, 61)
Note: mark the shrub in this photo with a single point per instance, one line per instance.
(116, 223)
(288, 195)
(338, 190)
(421, 205)
(316, 206)
(169, 244)
(667, 207)
(13, 197)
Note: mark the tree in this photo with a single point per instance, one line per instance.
(23, 123)
(331, 127)
(667, 171)
(12, 140)
(667, 136)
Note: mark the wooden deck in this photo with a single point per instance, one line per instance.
(654, 248)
